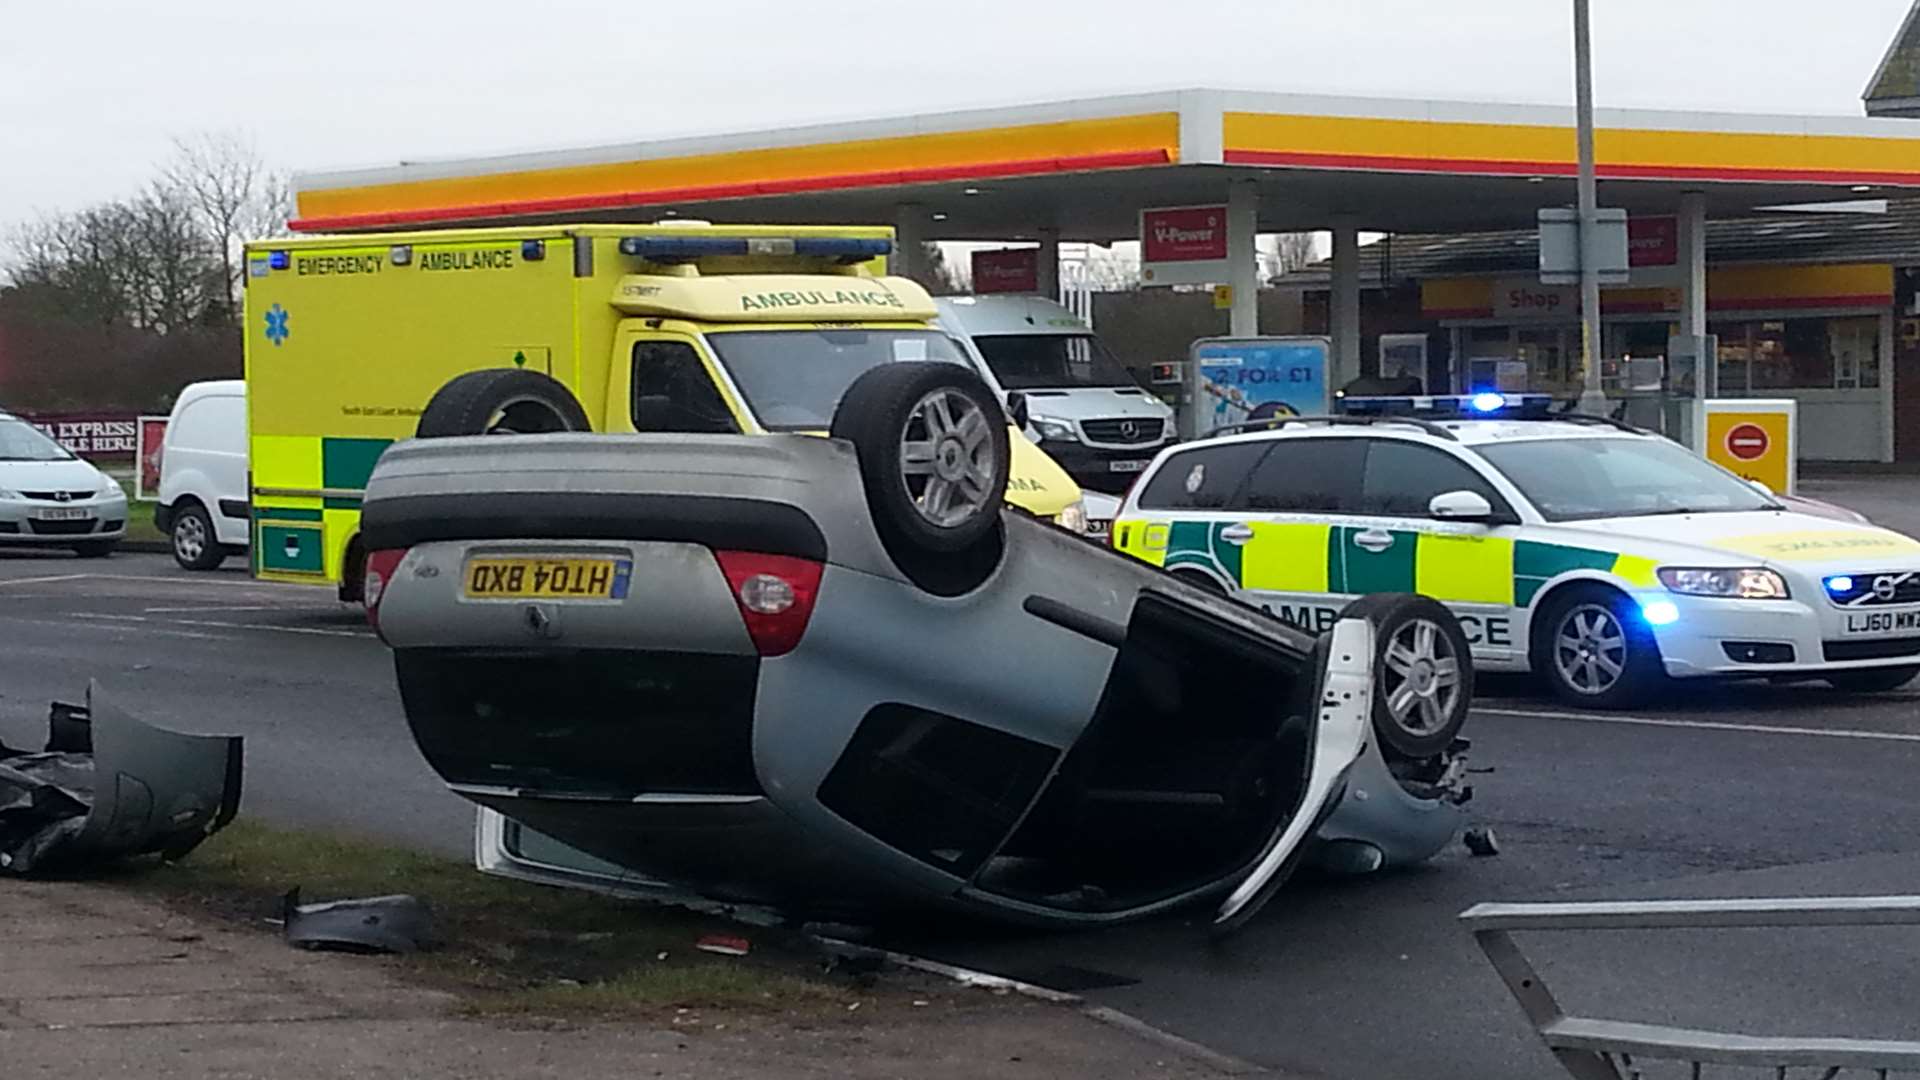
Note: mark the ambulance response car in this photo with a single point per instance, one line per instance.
(1087, 411)
(1601, 557)
(354, 342)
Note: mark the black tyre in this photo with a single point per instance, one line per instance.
(932, 444)
(1423, 673)
(1594, 650)
(95, 549)
(195, 545)
(501, 402)
(1871, 680)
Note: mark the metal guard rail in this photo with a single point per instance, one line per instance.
(1591, 1049)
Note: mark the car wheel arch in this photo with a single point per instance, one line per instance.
(1552, 591)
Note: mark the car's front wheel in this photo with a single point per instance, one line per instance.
(1871, 680)
(195, 546)
(1594, 649)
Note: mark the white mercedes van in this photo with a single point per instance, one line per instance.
(1085, 409)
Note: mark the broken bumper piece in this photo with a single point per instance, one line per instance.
(109, 785)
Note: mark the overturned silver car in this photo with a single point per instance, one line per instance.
(838, 677)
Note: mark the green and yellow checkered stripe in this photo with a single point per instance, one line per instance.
(1308, 557)
(306, 501)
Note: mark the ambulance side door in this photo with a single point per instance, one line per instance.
(1290, 528)
(669, 386)
(1395, 544)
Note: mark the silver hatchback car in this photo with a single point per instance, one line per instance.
(836, 676)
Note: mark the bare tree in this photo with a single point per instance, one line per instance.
(1283, 253)
(234, 196)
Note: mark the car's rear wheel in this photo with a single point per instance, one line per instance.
(934, 458)
(195, 545)
(1594, 650)
(1871, 680)
(1423, 672)
(501, 402)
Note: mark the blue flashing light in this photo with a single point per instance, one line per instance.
(1488, 402)
(1660, 613)
(279, 260)
(1840, 585)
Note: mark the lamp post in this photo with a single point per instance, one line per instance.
(1593, 399)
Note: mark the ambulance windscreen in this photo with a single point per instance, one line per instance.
(793, 379)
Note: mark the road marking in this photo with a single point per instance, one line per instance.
(1710, 725)
(276, 629)
(41, 580)
(321, 631)
(121, 628)
(212, 607)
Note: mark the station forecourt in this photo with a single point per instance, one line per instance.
(1819, 306)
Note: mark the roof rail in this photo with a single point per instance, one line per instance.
(1273, 423)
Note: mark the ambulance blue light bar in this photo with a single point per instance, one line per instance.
(1489, 404)
(681, 249)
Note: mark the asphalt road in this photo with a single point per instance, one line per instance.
(1719, 791)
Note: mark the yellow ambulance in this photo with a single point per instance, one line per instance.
(354, 342)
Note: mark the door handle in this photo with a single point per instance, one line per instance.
(1237, 534)
(1374, 540)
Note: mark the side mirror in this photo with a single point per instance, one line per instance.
(1761, 488)
(1017, 409)
(653, 412)
(1460, 506)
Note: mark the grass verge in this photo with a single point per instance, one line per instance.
(140, 527)
(508, 947)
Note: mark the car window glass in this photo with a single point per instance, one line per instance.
(1401, 479)
(1203, 478)
(794, 379)
(672, 391)
(1585, 478)
(1317, 476)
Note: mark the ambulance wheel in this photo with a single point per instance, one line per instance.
(501, 401)
(1871, 680)
(934, 456)
(1423, 672)
(1594, 649)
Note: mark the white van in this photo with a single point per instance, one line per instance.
(203, 474)
(1087, 411)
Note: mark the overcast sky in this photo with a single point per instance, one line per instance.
(91, 90)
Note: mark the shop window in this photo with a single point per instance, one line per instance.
(1855, 345)
(1734, 354)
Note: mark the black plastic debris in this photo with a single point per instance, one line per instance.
(379, 924)
(109, 785)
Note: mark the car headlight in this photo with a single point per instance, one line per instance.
(1056, 430)
(109, 487)
(1073, 518)
(1747, 582)
(5, 494)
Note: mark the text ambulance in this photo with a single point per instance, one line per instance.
(354, 342)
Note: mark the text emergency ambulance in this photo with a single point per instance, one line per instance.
(354, 342)
(1596, 555)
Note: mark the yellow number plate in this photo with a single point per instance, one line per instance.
(549, 579)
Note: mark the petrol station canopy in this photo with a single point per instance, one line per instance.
(1083, 169)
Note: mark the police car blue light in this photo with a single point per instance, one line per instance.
(1485, 404)
(1840, 585)
(1488, 402)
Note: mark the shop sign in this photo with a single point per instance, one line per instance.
(1008, 270)
(1183, 245)
(1522, 299)
(90, 434)
(1653, 241)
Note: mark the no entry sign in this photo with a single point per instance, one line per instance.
(1748, 442)
(1753, 438)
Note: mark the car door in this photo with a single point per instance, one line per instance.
(1395, 544)
(1183, 509)
(669, 387)
(1293, 526)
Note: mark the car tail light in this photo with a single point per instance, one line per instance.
(775, 594)
(380, 569)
